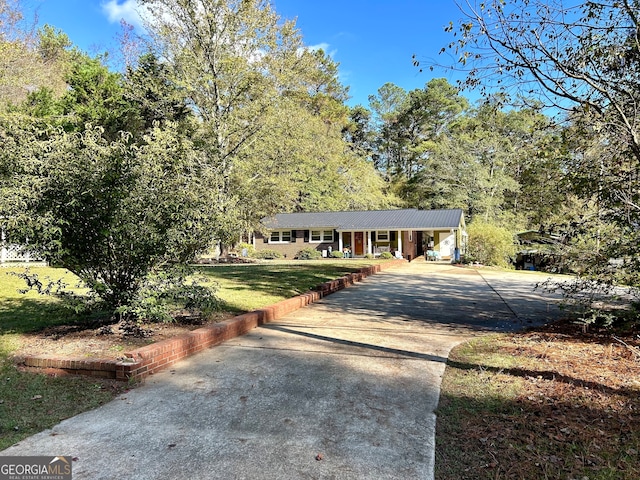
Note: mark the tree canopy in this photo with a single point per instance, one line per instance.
(226, 118)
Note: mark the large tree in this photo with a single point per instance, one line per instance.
(582, 58)
(232, 61)
(270, 110)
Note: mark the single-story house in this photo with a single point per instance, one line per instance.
(408, 233)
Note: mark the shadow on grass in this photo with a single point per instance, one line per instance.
(276, 280)
(545, 375)
(531, 421)
(28, 315)
(489, 438)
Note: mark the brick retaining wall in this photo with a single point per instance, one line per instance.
(152, 358)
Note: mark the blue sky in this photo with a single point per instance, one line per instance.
(373, 40)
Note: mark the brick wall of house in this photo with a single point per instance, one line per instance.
(299, 241)
(409, 246)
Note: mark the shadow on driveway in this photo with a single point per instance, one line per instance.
(342, 389)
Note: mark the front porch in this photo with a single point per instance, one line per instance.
(408, 244)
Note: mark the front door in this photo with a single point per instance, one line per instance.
(447, 243)
(359, 243)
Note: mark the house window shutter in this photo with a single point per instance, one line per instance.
(393, 235)
(373, 236)
(335, 235)
(306, 236)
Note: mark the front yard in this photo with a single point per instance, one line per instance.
(32, 323)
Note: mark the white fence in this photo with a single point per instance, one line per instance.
(11, 253)
(16, 253)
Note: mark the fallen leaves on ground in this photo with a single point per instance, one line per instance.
(569, 408)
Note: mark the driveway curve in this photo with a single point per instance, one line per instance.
(343, 389)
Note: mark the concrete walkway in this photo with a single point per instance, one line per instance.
(343, 389)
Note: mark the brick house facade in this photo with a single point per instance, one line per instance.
(404, 233)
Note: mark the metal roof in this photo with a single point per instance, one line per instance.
(408, 219)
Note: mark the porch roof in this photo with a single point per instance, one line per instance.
(407, 219)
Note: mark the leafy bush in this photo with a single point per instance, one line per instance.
(490, 244)
(337, 254)
(164, 292)
(386, 255)
(157, 298)
(267, 254)
(308, 254)
(251, 250)
(596, 303)
(369, 256)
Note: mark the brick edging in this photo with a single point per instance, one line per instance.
(150, 359)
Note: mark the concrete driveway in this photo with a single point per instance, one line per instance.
(342, 389)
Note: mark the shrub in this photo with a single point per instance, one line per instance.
(267, 254)
(161, 293)
(251, 250)
(369, 256)
(337, 254)
(386, 255)
(490, 244)
(308, 254)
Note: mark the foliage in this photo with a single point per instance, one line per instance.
(77, 299)
(308, 254)
(588, 61)
(112, 211)
(489, 244)
(582, 59)
(595, 302)
(231, 119)
(386, 256)
(337, 254)
(270, 111)
(166, 292)
(267, 254)
(251, 250)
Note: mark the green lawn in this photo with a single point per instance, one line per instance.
(28, 312)
(247, 287)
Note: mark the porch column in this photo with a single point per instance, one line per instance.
(369, 249)
(353, 244)
(340, 245)
(400, 241)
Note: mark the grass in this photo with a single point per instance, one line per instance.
(540, 405)
(248, 287)
(30, 403)
(28, 312)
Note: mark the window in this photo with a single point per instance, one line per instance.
(382, 236)
(318, 236)
(280, 236)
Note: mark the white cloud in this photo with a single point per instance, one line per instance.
(129, 10)
(320, 46)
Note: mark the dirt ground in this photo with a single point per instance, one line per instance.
(105, 343)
